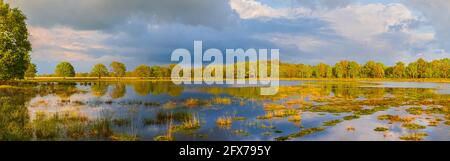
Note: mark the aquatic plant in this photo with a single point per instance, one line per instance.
(413, 126)
(241, 132)
(301, 133)
(351, 117)
(381, 129)
(124, 137)
(190, 123)
(169, 134)
(170, 105)
(350, 128)
(221, 100)
(101, 128)
(415, 110)
(395, 118)
(268, 115)
(414, 136)
(272, 106)
(447, 122)
(224, 121)
(191, 102)
(331, 122)
(295, 118)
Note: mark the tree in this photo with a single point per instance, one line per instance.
(118, 69)
(65, 69)
(346, 69)
(156, 71)
(373, 69)
(14, 43)
(31, 71)
(322, 70)
(142, 71)
(398, 70)
(99, 70)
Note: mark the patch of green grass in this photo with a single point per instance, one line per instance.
(381, 129)
(447, 122)
(162, 138)
(414, 136)
(301, 133)
(331, 122)
(351, 117)
(241, 132)
(415, 110)
(413, 126)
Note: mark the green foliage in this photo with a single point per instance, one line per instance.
(118, 69)
(373, 69)
(31, 71)
(65, 69)
(14, 43)
(142, 71)
(99, 70)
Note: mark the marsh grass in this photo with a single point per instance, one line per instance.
(224, 121)
(169, 134)
(222, 100)
(413, 126)
(191, 102)
(241, 132)
(124, 137)
(331, 122)
(301, 133)
(190, 123)
(351, 117)
(267, 116)
(395, 118)
(273, 107)
(381, 129)
(414, 136)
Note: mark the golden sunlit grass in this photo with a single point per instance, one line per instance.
(414, 136)
(224, 121)
(221, 100)
(191, 123)
(267, 116)
(272, 106)
(191, 102)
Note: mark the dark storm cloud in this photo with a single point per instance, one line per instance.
(103, 14)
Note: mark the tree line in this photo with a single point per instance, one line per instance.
(351, 69)
(343, 69)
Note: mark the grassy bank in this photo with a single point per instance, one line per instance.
(61, 79)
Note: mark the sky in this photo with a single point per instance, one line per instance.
(87, 32)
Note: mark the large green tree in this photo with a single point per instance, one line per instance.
(118, 69)
(31, 71)
(99, 70)
(142, 71)
(65, 69)
(14, 43)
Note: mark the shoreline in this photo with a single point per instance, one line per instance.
(165, 79)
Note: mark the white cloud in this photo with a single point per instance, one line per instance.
(66, 44)
(362, 22)
(250, 9)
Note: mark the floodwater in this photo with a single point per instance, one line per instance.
(152, 110)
